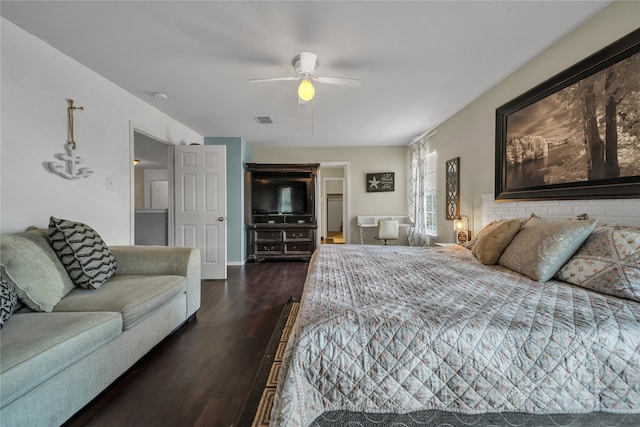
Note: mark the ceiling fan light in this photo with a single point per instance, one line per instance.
(306, 91)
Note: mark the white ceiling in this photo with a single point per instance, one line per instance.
(420, 61)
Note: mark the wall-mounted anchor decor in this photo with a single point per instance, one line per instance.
(68, 168)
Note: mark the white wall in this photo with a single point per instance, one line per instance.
(470, 134)
(36, 81)
(611, 211)
(363, 160)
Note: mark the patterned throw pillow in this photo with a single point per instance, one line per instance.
(82, 251)
(542, 246)
(8, 301)
(608, 262)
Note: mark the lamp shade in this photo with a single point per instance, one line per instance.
(461, 223)
(306, 91)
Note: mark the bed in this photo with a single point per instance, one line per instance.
(402, 330)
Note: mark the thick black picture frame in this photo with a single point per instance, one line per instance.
(618, 187)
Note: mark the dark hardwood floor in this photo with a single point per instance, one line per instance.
(201, 375)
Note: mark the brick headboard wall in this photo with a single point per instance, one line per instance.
(609, 211)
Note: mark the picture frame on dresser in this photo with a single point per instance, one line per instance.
(576, 135)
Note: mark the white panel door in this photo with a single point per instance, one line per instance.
(201, 205)
(159, 194)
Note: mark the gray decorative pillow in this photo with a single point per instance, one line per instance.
(608, 262)
(82, 251)
(32, 268)
(542, 246)
(8, 301)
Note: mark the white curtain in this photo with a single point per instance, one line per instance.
(422, 193)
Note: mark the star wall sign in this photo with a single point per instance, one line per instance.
(379, 182)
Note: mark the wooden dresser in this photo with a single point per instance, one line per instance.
(280, 211)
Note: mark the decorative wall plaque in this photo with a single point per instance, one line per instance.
(452, 168)
(378, 182)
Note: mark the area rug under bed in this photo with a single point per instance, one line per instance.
(257, 407)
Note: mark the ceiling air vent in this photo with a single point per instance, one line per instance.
(263, 120)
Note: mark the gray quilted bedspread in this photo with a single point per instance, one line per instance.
(400, 329)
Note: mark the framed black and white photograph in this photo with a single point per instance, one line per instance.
(577, 135)
(379, 182)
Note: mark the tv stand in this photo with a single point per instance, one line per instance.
(280, 235)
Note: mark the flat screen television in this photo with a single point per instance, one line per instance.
(280, 196)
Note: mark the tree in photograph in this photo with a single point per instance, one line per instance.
(595, 145)
(612, 91)
(628, 116)
(604, 105)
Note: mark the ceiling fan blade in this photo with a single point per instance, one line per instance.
(275, 79)
(308, 62)
(339, 81)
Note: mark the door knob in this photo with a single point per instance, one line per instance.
(221, 218)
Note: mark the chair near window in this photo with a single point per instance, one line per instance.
(388, 230)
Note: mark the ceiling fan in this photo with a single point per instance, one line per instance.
(305, 65)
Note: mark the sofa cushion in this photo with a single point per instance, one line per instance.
(135, 297)
(82, 251)
(36, 346)
(33, 268)
(8, 301)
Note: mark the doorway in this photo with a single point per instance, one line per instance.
(333, 202)
(153, 191)
(334, 223)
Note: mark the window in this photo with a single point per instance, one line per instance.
(430, 205)
(422, 194)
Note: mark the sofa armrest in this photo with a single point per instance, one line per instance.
(163, 260)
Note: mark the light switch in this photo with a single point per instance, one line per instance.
(109, 183)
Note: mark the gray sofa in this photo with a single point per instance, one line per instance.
(54, 363)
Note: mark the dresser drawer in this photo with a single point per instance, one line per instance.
(268, 248)
(302, 234)
(298, 248)
(268, 235)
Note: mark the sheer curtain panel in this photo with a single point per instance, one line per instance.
(422, 194)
